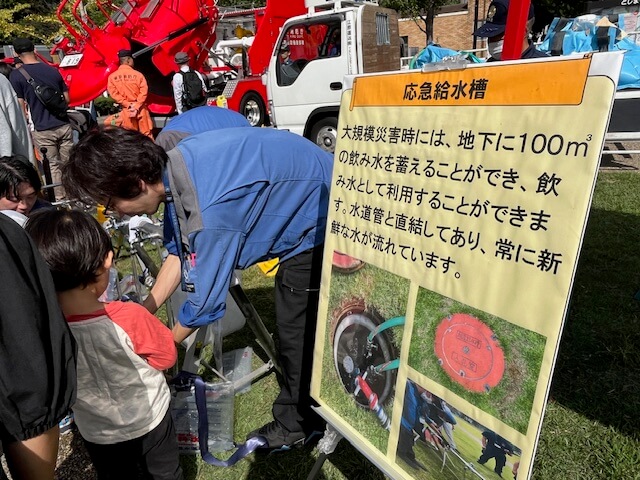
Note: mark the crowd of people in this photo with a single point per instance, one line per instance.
(227, 210)
(232, 198)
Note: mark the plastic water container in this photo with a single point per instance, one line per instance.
(111, 293)
(185, 420)
(220, 416)
(219, 400)
(237, 366)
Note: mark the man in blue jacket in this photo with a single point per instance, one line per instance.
(233, 200)
(198, 120)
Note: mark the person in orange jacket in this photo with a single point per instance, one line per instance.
(128, 87)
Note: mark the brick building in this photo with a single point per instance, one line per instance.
(452, 27)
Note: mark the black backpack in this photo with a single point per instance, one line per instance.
(52, 98)
(192, 93)
(81, 121)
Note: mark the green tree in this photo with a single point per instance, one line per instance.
(42, 7)
(560, 8)
(422, 12)
(23, 20)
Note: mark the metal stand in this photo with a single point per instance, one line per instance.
(204, 336)
(326, 446)
(264, 338)
(50, 190)
(239, 310)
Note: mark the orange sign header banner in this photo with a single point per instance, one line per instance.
(549, 83)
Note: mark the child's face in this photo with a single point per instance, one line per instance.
(102, 282)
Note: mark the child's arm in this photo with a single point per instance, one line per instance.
(152, 340)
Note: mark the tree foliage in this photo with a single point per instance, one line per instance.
(422, 12)
(22, 20)
(562, 8)
(42, 6)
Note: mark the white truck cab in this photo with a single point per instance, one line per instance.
(315, 51)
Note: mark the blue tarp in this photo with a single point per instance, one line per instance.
(583, 34)
(435, 53)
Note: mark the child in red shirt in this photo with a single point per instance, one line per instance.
(122, 408)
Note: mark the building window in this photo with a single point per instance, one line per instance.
(383, 31)
(404, 46)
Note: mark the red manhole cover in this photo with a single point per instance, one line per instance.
(346, 264)
(469, 352)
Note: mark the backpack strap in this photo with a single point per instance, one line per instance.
(31, 81)
(26, 75)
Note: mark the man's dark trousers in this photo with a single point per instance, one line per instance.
(296, 299)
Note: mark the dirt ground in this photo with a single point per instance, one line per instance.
(619, 161)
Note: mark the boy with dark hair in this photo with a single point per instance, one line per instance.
(233, 198)
(122, 410)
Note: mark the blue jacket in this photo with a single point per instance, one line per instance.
(411, 407)
(249, 195)
(198, 120)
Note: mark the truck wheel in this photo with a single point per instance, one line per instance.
(252, 107)
(325, 133)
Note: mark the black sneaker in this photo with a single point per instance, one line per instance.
(278, 438)
(413, 463)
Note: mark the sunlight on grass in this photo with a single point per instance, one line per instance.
(591, 428)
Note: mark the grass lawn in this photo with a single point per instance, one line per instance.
(511, 400)
(456, 467)
(591, 428)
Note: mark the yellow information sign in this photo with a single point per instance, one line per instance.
(461, 198)
(564, 83)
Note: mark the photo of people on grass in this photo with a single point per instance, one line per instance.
(438, 441)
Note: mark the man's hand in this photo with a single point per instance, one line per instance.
(180, 332)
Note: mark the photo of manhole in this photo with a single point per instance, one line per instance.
(361, 353)
(469, 352)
